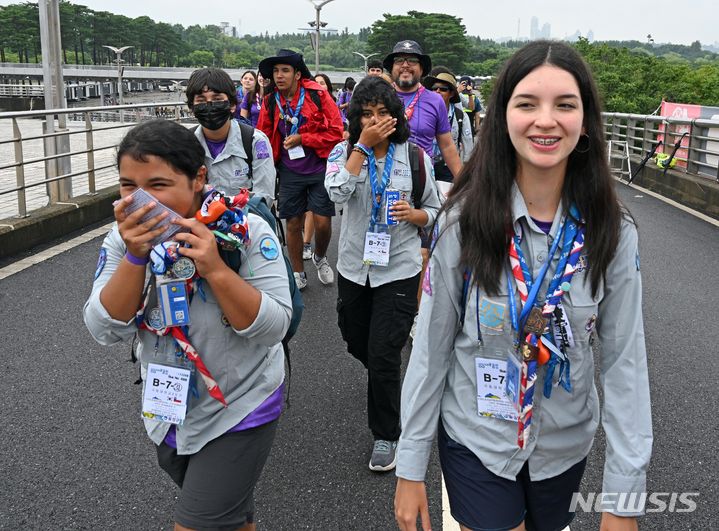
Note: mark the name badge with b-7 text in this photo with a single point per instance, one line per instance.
(376, 248)
(491, 398)
(165, 397)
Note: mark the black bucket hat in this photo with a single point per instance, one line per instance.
(284, 57)
(408, 48)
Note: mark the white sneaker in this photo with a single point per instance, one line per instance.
(324, 271)
(307, 252)
(300, 280)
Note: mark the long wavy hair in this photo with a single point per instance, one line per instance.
(483, 190)
(371, 91)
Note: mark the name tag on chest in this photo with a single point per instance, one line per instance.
(296, 153)
(165, 397)
(376, 248)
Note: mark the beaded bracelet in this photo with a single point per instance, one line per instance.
(135, 260)
(364, 149)
(358, 150)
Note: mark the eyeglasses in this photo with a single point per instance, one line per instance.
(409, 60)
(441, 88)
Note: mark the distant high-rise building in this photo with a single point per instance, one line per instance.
(546, 31)
(534, 29)
(590, 36)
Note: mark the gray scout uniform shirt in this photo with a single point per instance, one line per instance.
(229, 171)
(247, 364)
(355, 191)
(441, 376)
(465, 147)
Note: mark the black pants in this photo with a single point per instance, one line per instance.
(375, 324)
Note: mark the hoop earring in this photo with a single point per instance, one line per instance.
(588, 145)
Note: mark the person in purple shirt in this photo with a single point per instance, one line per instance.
(252, 101)
(425, 110)
(345, 96)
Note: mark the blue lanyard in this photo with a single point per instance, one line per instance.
(568, 230)
(378, 189)
(293, 115)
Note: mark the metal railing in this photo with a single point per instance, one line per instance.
(697, 139)
(90, 131)
(31, 160)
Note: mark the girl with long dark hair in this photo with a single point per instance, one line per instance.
(251, 103)
(379, 261)
(533, 257)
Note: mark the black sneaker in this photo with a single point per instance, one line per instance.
(384, 456)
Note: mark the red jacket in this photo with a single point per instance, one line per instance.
(320, 130)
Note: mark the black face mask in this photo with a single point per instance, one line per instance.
(212, 115)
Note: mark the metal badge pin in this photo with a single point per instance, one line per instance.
(184, 268)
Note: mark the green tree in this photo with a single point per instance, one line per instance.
(441, 36)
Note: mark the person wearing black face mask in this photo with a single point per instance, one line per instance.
(212, 98)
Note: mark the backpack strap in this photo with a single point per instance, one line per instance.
(419, 174)
(460, 120)
(466, 278)
(247, 132)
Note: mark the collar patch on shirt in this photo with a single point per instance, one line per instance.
(241, 172)
(261, 150)
(336, 153)
(101, 261)
(269, 249)
(491, 314)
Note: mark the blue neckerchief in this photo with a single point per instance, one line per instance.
(294, 115)
(378, 189)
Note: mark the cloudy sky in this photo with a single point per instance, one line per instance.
(674, 21)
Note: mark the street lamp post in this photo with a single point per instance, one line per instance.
(119, 61)
(365, 57)
(319, 4)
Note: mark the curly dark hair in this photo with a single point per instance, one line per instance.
(371, 91)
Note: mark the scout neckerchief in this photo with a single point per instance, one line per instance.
(258, 101)
(534, 321)
(409, 109)
(228, 222)
(289, 116)
(378, 188)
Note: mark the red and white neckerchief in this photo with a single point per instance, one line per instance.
(409, 109)
(184, 343)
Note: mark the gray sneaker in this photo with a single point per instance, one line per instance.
(307, 251)
(324, 271)
(384, 456)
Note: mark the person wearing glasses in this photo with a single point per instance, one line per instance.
(441, 80)
(212, 98)
(425, 111)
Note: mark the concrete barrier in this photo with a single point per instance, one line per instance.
(698, 193)
(54, 221)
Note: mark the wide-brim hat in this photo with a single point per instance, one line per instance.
(443, 78)
(284, 57)
(408, 48)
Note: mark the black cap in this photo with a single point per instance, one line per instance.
(408, 48)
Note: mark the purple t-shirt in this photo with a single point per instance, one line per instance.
(310, 164)
(345, 97)
(215, 147)
(266, 412)
(253, 107)
(544, 226)
(429, 118)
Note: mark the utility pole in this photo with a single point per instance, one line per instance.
(54, 85)
(365, 57)
(319, 4)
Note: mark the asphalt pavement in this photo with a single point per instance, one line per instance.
(74, 454)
